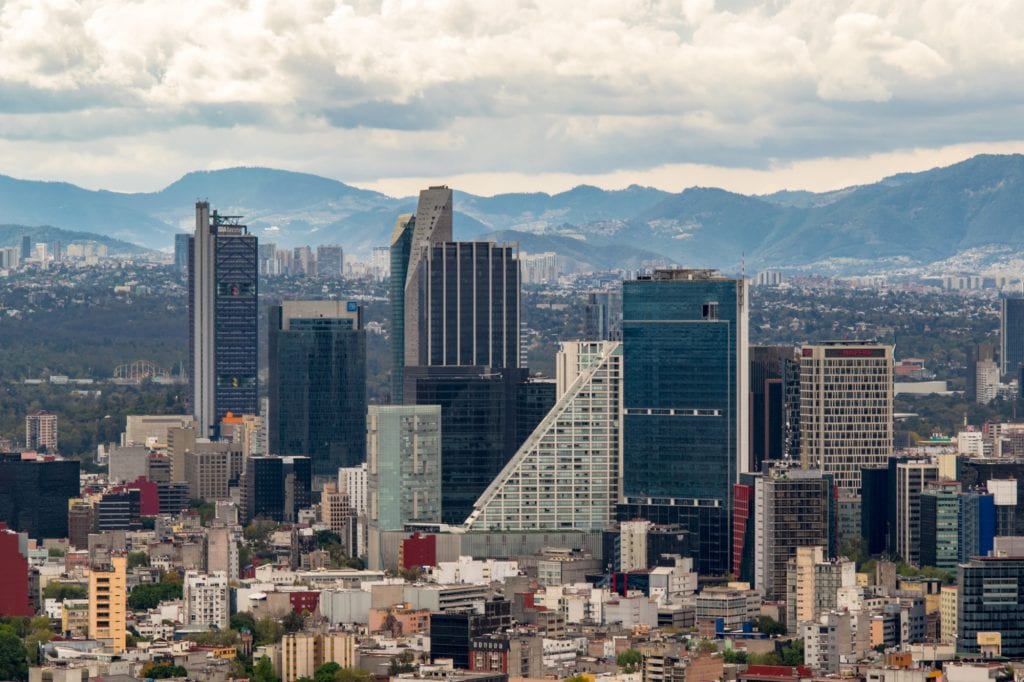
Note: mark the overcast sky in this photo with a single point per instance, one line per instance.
(500, 95)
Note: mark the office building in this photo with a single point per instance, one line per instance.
(336, 509)
(330, 260)
(276, 488)
(452, 632)
(108, 603)
(602, 315)
(41, 432)
(990, 605)
(207, 473)
(912, 479)
(26, 247)
(223, 315)
(1011, 336)
(481, 426)
(119, 510)
(206, 600)
(940, 519)
(34, 494)
(580, 435)
(792, 508)
(181, 251)
(469, 308)
(411, 237)
(403, 480)
(685, 395)
(774, 402)
(846, 409)
(317, 383)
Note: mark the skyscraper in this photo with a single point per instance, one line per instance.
(330, 260)
(1011, 335)
(181, 251)
(317, 383)
(34, 494)
(223, 316)
(431, 225)
(580, 435)
(403, 465)
(685, 388)
(774, 381)
(41, 431)
(846, 409)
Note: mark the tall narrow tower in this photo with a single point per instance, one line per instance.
(222, 279)
(685, 401)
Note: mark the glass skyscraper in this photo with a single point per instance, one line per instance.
(223, 316)
(685, 396)
(1011, 336)
(317, 383)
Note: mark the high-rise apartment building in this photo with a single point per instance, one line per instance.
(317, 383)
(846, 409)
(330, 260)
(206, 599)
(223, 315)
(108, 603)
(403, 465)
(686, 397)
(1011, 336)
(41, 431)
(581, 435)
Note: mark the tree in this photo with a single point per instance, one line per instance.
(793, 654)
(243, 620)
(149, 595)
(293, 622)
(325, 673)
(137, 559)
(163, 670)
(267, 631)
(738, 656)
(855, 548)
(630, 660)
(351, 675)
(263, 671)
(62, 591)
(579, 677)
(769, 626)
(402, 663)
(13, 660)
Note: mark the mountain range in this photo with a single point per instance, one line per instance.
(906, 220)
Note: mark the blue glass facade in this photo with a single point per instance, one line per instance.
(684, 349)
(401, 244)
(317, 386)
(991, 599)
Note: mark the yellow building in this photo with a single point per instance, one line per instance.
(74, 617)
(948, 614)
(302, 653)
(108, 598)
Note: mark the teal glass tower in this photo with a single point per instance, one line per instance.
(685, 393)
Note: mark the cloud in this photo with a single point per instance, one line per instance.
(373, 89)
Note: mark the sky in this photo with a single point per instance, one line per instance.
(491, 96)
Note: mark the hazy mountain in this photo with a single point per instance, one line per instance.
(10, 235)
(911, 217)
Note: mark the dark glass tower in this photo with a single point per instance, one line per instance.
(34, 494)
(317, 383)
(1011, 336)
(770, 368)
(223, 315)
(685, 388)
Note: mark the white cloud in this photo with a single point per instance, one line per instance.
(134, 91)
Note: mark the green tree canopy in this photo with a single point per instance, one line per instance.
(630, 660)
(13, 659)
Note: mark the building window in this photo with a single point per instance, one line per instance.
(709, 311)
